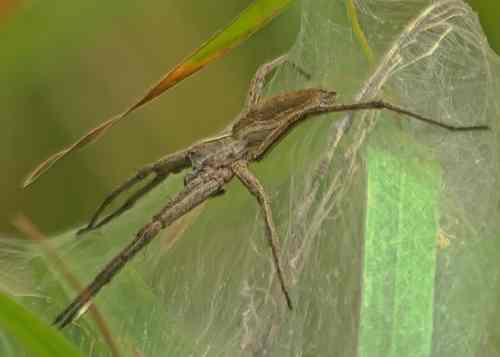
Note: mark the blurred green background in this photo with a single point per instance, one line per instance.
(65, 66)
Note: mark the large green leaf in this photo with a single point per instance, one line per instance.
(38, 338)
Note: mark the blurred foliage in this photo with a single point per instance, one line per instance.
(488, 13)
(68, 65)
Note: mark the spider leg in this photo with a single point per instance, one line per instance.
(162, 168)
(200, 189)
(253, 185)
(282, 130)
(379, 104)
(129, 203)
(257, 84)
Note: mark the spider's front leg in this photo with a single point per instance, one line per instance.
(330, 107)
(325, 103)
(240, 168)
(161, 169)
(257, 84)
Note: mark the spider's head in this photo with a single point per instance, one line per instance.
(327, 97)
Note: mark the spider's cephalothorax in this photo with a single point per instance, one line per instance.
(215, 161)
(256, 128)
(262, 124)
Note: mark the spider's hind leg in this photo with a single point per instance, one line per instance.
(161, 169)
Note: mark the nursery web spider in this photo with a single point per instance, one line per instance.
(215, 161)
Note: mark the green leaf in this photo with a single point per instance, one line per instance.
(38, 338)
(400, 255)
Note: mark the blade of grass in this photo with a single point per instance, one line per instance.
(352, 12)
(250, 20)
(38, 338)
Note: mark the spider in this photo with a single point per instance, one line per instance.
(214, 162)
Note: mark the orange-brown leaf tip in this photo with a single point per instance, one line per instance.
(42, 168)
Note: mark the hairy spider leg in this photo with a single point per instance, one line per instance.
(171, 163)
(206, 185)
(380, 104)
(129, 203)
(247, 178)
(322, 108)
(257, 83)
